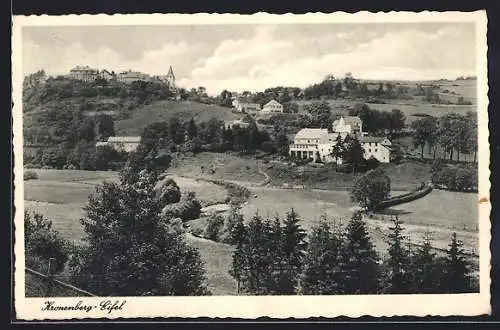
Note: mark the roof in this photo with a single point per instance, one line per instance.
(312, 133)
(272, 102)
(128, 139)
(373, 139)
(83, 67)
(349, 120)
(245, 104)
(170, 72)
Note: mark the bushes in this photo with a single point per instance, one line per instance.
(455, 178)
(42, 242)
(214, 228)
(30, 175)
(185, 210)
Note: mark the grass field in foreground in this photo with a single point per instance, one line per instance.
(432, 213)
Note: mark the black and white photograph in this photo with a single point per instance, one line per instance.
(263, 162)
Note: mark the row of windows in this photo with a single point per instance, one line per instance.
(305, 146)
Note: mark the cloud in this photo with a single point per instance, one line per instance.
(59, 60)
(263, 61)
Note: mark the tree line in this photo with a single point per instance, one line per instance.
(275, 257)
(453, 133)
(214, 135)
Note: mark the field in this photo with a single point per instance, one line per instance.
(218, 166)
(60, 196)
(164, 110)
(404, 176)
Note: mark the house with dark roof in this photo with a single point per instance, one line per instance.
(376, 147)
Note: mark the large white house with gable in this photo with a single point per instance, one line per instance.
(272, 106)
(317, 143)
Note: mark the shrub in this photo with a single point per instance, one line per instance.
(30, 175)
(185, 210)
(371, 188)
(214, 228)
(42, 242)
(372, 163)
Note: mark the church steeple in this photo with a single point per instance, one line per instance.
(171, 73)
(171, 78)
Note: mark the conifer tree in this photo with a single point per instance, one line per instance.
(359, 265)
(294, 245)
(130, 248)
(256, 257)
(397, 277)
(338, 150)
(456, 269)
(321, 273)
(425, 268)
(238, 237)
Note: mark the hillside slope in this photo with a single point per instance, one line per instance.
(165, 110)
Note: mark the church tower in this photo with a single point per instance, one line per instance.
(171, 78)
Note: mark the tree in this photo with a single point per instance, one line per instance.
(359, 261)
(238, 266)
(42, 242)
(397, 120)
(192, 129)
(130, 249)
(338, 150)
(281, 142)
(422, 129)
(214, 228)
(425, 268)
(455, 272)
(256, 257)
(371, 188)
(320, 113)
(397, 266)
(294, 245)
(321, 264)
(105, 127)
(353, 153)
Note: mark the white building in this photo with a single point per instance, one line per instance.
(351, 125)
(106, 75)
(377, 147)
(130, 76)
(84, 73)
(272, 106)
(122, 143)
(310, 143)
(169, 79)
(245, 106)
(317, 143)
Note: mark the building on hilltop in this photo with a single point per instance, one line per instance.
(107, 75)
(130, 76)
(84, 73)
(122, 143)
(246, 107)
(272, 106)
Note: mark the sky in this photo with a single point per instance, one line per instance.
(254, 56)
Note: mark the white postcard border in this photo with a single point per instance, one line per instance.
(251, 306)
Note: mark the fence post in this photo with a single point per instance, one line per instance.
(50, 277)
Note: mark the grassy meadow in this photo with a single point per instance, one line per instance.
(164, 110)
